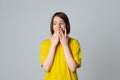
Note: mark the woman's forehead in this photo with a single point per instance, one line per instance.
(56, 18)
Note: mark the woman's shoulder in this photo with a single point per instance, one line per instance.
(74, 42)
(73, 39)
(45, 41)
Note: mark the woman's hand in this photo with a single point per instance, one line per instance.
(63, 37)
(55, 39)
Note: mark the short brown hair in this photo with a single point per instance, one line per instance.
(64, 17)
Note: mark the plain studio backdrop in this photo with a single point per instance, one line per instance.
(25, 23)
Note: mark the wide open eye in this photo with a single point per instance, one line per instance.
(62, 23)
(54, 23)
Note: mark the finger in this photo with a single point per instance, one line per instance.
(55, 33)
(65, 32)
(61, 32)
(58, 33)
(51, 35)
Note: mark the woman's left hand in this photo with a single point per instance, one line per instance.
(63, 38)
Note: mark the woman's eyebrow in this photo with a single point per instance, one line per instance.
(54, 21)
(60, 21)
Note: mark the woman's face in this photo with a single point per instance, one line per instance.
(58, 24)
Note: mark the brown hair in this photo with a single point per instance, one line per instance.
(64, 17)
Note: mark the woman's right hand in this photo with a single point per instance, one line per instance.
(55, 39)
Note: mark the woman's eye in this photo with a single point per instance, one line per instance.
(62, 23)
(54, 23)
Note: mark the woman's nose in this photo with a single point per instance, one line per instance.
(59, 26)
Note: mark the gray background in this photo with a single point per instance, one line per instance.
(25, 23)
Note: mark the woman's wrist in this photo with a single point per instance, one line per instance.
(65, 46)
(53, 46)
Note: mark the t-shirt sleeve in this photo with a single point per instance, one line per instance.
(43, 52)
(76, 52)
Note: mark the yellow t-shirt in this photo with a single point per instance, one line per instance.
(60, 69)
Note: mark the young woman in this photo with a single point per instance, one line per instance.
(60, 55)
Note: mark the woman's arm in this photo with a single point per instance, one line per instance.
(50, 57)
(49, 60)
(69, 59)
